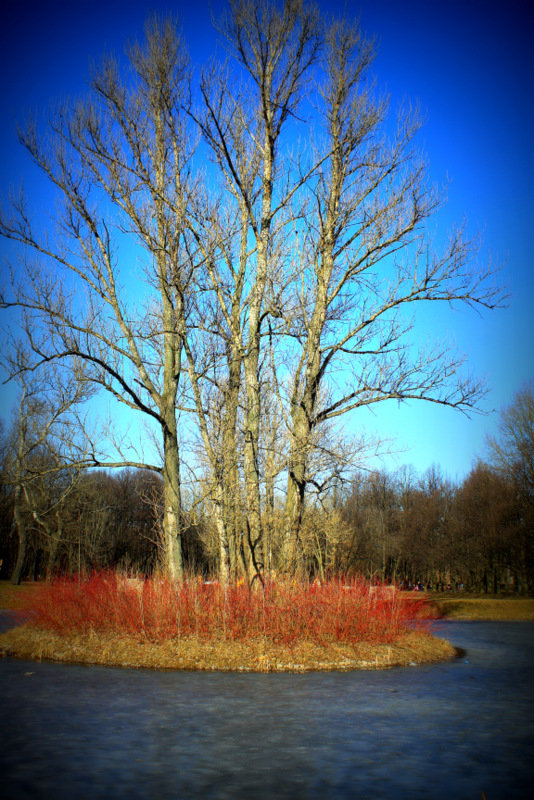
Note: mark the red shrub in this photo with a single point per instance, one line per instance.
(285, 611)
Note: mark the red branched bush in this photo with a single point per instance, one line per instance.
(343, 610)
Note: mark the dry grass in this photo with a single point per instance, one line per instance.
(487, 608)
(15, 597)
(192, 653)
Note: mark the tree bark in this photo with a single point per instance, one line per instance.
(172, 505)
(20, 526)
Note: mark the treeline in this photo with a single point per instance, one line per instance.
(429, 532)
(400, 527)
(67, 522)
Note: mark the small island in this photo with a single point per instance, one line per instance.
(109, 619)
(189, 471)
(114, 620)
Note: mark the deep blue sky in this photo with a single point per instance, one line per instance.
(469, 64)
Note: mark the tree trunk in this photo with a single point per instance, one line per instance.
(172, 507)
(251, 467)
(20, 525)
(296, 487)
(253, 411)
(230, 489)
(292, 550)
(225, 561)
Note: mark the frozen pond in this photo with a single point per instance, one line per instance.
(454, 730)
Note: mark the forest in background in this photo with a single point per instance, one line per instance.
(413, 530)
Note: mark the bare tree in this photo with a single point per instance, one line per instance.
(119, 164)
(365, 260)
(46, 449)
(282, 269)
(513, 448)
(513, 456)
(275, 50)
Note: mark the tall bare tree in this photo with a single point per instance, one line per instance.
(120, 166)
(275, 50)
(365, 260)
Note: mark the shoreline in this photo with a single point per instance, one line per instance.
(480, 607)
(414, 648)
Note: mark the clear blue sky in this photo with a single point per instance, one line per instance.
(469, 63)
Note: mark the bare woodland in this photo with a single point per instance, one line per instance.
(235, 254)
(401, 527)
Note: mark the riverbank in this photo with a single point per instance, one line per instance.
(482, 607)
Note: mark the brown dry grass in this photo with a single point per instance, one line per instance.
(15, 597)
(487, 608)
(194, 654)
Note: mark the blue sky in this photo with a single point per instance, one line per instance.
(468, 63)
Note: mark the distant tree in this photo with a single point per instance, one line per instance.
(428, 526)
(512, 452)
(487, 519)
(6, 506)
(137, 498)
(372, 514)
(46, 448)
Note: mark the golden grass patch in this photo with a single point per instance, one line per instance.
(487, 608)
(221, 655)
(15, 597)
